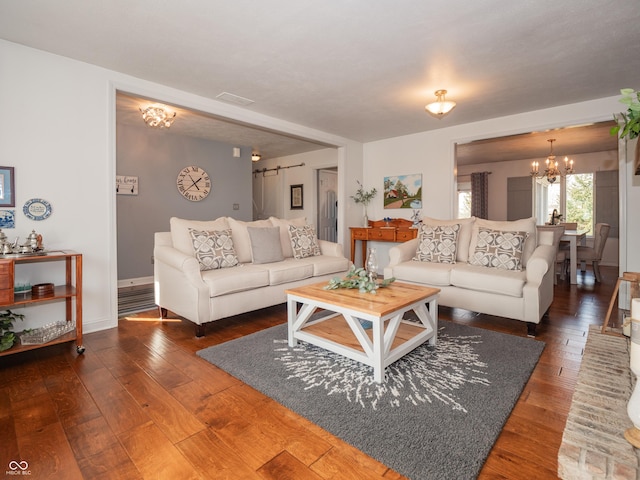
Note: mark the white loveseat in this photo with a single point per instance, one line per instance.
(247, 270)
(480, 279)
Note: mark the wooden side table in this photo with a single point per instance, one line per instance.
(397, 230)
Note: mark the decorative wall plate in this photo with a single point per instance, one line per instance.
(37, 209)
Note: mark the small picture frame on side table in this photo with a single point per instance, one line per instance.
(297, 197)
(7, 187)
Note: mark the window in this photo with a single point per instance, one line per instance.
(464, 200)
(579, 204)
(572, 197)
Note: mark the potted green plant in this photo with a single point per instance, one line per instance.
(364, 197)
(628, 123)
(7, 336)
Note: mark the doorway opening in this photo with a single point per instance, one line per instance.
(327, 201)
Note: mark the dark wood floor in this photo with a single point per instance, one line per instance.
(140, 404)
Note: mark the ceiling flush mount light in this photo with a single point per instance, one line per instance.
(440, 107)
(255, 157)
(551, 170)
(157, 115)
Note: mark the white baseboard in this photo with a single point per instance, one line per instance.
(134, 282)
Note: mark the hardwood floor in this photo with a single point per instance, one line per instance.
(140, 404)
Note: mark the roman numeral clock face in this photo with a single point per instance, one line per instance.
(193, 183)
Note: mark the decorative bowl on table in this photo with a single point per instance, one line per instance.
(42, 289)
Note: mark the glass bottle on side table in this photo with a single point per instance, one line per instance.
(372, 265)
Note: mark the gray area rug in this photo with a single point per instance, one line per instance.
(437, 415)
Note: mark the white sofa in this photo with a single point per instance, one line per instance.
(251, 269)
(524, 293)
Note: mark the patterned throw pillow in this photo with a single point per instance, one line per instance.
(498, 249)
(304, 241)
(214, 249)
(437, 243)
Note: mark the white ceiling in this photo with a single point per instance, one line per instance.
(359, 69)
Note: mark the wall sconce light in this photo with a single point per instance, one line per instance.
(255, 157)
(440, 107)
(157, 115)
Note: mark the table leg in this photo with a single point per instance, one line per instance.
(364, 254)
(353, 249)
(573, 252)
(291, 318)
(378, 351)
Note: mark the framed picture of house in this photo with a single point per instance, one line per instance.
(297, 197)
(7, 187)
(403, 191)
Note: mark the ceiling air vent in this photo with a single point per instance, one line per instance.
(235, 99)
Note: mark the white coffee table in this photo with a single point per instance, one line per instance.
(341, 332)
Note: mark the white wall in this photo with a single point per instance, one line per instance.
(271, 190)
(501, 171)
(630, 218)
(58, 131)
(432, 154)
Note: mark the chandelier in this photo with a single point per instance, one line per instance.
(440, 107)
(551, 170)
(157, 115)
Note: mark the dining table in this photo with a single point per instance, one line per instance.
(575, 238)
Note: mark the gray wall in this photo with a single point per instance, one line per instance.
(156, 157)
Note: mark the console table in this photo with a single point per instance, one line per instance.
(70, 292)
(398, 230)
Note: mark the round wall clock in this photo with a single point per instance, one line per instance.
(37, 209)
(193, 183)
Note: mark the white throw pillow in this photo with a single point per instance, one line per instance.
(437, 243)
(180, 236)
(265, 244)
(285, 240)
(304, 242)
(498, 249)
(213, 249)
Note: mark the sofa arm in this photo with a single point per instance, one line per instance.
(331, 249)
(541, 261)
(187, 264)
(403, 252)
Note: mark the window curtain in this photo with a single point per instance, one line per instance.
(480, 194)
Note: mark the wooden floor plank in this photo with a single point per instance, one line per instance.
(140, 404)
(154, 455)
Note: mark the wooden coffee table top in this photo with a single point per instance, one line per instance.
(387, 300)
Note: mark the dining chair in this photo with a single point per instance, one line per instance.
(594, 254)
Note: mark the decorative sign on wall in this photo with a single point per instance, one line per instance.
(37, 209)
(403, 191)
(7, 219)
(126, 185)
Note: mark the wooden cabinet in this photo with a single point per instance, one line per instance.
(70, 293)
(397, 230)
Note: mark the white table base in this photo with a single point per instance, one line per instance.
(377, 352)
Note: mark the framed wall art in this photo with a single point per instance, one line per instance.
(297, 197)
(403, 191)
(7, 187)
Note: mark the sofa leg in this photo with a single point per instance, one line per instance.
(531, 329)
(199, 331)
(162, 312)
